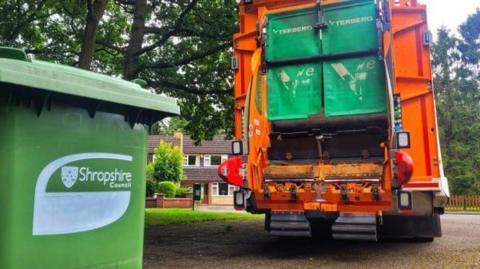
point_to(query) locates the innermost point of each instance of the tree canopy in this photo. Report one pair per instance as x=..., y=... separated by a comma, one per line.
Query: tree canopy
x=457, y=87
x=167, y=164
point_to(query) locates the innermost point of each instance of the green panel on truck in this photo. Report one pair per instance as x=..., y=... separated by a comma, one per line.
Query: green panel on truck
x=350, y=27
x=72, y=168
x=294, y=91
x=292, y=35
x=352, y=86
x=349, y=86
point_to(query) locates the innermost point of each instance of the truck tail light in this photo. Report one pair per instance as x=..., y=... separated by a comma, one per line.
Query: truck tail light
x=405, y=200
x=404, y=166
x=231, y=171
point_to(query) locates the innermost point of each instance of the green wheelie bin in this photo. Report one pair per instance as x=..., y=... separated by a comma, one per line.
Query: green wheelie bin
x=72, y=165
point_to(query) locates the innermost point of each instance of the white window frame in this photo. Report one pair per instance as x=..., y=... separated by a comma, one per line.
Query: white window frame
x=231, y=189
x=207, y=160
x=215, y=189
x=186, y=157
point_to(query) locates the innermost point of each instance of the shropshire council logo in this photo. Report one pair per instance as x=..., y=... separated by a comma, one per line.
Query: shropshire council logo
x=81, y=192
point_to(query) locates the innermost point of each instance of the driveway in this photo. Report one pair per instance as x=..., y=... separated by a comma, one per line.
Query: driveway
x=244, y=244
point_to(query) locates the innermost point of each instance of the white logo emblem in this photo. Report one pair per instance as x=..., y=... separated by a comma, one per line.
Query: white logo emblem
x=69, y=176
x=73, y=212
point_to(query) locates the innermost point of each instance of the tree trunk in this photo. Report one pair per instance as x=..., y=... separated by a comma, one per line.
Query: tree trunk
x=96, y=8
x=136, y=40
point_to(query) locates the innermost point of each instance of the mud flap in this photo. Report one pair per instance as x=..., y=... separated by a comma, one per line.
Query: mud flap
x=411, y=227
x=355, y=227
x=289, y=225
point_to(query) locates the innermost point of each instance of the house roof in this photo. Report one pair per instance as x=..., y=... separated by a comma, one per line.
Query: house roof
x=216, y=146
x=202, y=175
x=154, y=141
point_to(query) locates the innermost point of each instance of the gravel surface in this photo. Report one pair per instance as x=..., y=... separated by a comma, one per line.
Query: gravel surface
x=244, y=244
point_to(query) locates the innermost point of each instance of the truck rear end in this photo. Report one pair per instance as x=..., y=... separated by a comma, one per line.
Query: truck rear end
x=335, y=119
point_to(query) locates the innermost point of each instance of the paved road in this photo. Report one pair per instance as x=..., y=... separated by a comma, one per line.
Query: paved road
x=244, y=244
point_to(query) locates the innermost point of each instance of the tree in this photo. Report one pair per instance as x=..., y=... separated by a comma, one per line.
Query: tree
x=167, y=163
x=182, y=48
x=456, y=70
x=169, y=126
x=19, y=21
x=95, y=10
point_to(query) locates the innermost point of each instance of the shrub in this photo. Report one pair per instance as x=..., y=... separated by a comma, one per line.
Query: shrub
x=181, y=192
x=168, y=188
x=150, y=172
x=167, y=163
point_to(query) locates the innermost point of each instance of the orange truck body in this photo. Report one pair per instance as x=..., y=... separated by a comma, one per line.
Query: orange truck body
x=404, y=48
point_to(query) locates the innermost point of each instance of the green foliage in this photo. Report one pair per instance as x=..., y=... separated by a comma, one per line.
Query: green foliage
x=169, y=126
x=167, y=163
x=457, y=86
x=181, y=192
x=204, y=85
x=168, y=188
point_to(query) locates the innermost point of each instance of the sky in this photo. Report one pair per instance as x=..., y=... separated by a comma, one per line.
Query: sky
x=449, y=13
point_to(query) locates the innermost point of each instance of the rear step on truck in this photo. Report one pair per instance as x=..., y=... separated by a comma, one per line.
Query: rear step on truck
x=289, y=225
x=355, y=227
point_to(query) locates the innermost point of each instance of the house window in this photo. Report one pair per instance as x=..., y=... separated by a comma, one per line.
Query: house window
x=191, y=160
x=214, y=160
x=223, y=189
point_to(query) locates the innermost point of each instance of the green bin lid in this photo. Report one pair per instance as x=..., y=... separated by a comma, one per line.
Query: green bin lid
x=18, y=69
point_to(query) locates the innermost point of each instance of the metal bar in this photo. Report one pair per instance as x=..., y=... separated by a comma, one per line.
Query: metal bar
x=352, y=180
x=325, y=57
x=289, y=180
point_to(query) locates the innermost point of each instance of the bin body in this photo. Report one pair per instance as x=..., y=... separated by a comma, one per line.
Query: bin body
x=72, y=177
x=29, y=144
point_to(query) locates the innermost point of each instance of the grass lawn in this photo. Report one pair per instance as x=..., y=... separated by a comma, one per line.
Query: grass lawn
x=162, y=216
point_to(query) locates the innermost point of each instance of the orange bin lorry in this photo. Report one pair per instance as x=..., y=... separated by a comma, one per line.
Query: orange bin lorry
x=335, y=121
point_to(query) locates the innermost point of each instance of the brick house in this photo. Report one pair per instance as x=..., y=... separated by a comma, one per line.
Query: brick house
x=200, y=165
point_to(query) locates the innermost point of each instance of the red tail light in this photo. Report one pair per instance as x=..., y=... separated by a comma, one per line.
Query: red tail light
x=404, y=166
x=231, y=171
